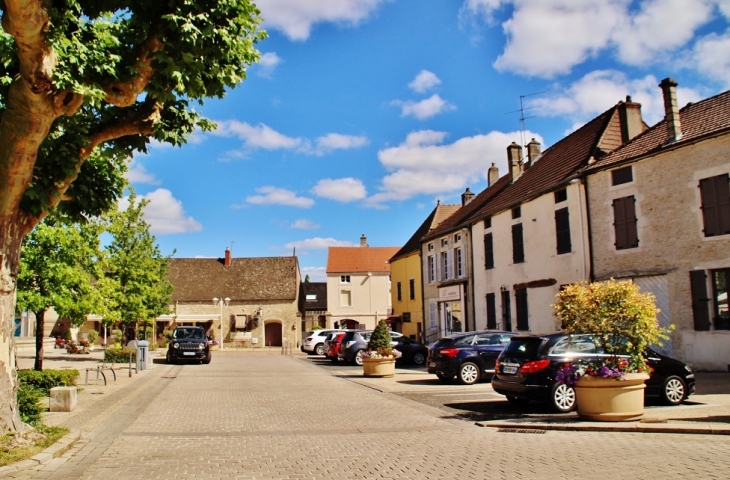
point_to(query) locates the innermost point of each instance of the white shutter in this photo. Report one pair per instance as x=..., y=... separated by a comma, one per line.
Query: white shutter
x=450, y=273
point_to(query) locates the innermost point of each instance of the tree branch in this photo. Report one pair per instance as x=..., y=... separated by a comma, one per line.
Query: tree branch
x=124, y=94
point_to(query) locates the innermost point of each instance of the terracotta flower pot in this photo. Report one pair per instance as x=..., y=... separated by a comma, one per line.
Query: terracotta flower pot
x=378, y=367
x=610, y=400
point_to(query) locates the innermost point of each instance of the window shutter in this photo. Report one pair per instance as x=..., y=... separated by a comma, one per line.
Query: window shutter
x=700, y=301
x=624, y=217
x=715, y=193
x=488, y=251
x=632, y=236
x=450, y=257
x=521, y=304
x=491, y=312
x=562, y=231
x=518, y=248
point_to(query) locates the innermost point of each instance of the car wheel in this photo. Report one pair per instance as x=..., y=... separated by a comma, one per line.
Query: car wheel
x=674, y=390
x=358, y=358
x=419, y=358
x=468, y=373
x=207, y=359
x=517, y=400
x=562, y=398
x=319, y=349
x=444, y=378
x=169, y=358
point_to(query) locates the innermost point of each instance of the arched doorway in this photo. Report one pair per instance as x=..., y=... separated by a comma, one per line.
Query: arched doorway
x=350, y=324
x=272, y=334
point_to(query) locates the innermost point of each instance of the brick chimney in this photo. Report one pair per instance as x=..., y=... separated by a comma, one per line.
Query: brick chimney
x=533, y=151
x=467, y=197
x=514, y=155
x=364, y=241
x=227, y=259
x=631, y=121
x=671, y=111
x=493, y=175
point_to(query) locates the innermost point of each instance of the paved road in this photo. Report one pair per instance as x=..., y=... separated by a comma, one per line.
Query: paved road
x=258, y=416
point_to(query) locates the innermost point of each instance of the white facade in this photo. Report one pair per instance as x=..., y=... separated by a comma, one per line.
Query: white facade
x=364, y=297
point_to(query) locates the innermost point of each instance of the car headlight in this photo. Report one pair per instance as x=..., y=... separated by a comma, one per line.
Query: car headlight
x=176, y=345
x=201, y=346
x=688, y=368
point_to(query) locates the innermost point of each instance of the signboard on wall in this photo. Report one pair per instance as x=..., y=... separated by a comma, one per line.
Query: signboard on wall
x=448, y=294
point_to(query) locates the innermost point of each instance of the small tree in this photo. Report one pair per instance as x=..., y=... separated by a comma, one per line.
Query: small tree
x=380, y=340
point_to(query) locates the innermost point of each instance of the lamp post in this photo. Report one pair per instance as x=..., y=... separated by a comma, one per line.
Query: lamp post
x=220, y=302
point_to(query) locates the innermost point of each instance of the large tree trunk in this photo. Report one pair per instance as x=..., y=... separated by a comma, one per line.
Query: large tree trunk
x=10, y=240
x=39, y=321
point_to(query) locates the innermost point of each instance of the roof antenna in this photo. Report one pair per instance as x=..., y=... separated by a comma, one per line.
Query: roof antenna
x=523, y=117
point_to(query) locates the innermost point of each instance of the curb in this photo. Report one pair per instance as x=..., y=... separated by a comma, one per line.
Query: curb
x=44, y=457
x=631, y=427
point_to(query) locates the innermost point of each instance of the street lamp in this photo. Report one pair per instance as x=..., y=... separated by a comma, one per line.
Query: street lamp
x=220, y=302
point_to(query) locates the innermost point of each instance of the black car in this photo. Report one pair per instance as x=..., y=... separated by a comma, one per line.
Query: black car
x=411, y=351
x=468, y=356
x=189, y=343
x=355, y=342
x=527, y=367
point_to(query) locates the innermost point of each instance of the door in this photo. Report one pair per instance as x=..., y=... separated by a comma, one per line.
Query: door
x=272, y=334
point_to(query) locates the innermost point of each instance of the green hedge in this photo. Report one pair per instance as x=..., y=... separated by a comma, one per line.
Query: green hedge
x=120, y=355
x=32, y=385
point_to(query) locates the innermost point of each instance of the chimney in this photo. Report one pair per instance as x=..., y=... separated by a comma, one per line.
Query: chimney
x=631, y=122
x=364, y=241
x=514, y=155
x=493, y=175
x=227, y=261
x=671, y=111
x=533, y=151
x=467, y=197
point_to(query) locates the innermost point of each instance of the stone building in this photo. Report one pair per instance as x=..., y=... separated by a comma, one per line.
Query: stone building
x=244, y=301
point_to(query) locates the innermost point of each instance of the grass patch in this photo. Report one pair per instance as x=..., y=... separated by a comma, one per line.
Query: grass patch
x=14, y=448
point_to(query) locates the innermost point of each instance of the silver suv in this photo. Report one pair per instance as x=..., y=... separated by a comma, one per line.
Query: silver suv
x=314, y=341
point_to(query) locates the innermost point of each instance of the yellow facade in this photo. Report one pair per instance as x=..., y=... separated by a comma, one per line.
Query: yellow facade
x=404, y=270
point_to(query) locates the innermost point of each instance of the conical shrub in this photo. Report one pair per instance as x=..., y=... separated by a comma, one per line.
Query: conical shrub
x=380, y=339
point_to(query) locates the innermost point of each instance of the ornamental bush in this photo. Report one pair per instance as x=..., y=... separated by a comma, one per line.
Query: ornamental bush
x=45, y=380
x=119, y=355
x=380, y=339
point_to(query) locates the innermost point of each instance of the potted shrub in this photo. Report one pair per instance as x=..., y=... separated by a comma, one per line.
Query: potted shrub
x=92, y=335
x=117, y=333
x=379, y=359
x=622, y=322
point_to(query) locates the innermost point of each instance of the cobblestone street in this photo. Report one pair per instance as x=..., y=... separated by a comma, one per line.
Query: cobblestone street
x=268, y=416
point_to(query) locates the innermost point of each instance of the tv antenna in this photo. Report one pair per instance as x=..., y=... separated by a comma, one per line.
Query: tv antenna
x=522, y=115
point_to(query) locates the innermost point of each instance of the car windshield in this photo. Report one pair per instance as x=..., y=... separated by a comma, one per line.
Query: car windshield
x=522, y=348
x=194, y=333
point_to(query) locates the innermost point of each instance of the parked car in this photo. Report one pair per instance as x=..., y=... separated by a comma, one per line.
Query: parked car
x=355, y=342
x=327, y=342
x=334, y=346
x=526, y=371
x=411, y=350
x=188, y=343
x=468, y=356
x=314, y=341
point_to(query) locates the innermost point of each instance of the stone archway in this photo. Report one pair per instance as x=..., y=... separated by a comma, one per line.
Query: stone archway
x=273, y=334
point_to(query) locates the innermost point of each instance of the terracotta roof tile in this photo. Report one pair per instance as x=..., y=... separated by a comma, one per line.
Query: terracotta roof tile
x=438, y=215
x=247, y=279
x=359, y=259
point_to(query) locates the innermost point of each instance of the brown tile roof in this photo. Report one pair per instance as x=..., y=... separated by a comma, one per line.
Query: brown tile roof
x=359, y=259
x=705, y=117
x=247, y=279
x=558, y=163
x=438, y=215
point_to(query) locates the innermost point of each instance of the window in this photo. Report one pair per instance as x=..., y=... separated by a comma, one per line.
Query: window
x=444, y=265
x=345, y=298
x=561, y=195
x=398, y=291
x=444, y=242
x=621, y=176
x=344, y=279
x=457, y=238
x=430, y=247
x=311, y=297
x=562, y=231
x=412, y=289
x=624, y=223
x=488, y=251
x=715, y=194
x=518, y=248
x=431, y=269
x=517, y=212
x=521, y=303
x=719, y=297
x=458, y=262
x=491, y=312
x=488, y=223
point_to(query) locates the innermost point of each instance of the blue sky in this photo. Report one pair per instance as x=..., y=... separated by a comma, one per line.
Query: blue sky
x=363, y=113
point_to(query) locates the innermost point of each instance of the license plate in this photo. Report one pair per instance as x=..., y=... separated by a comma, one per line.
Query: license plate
x=432, y=365
x=188, y=353
x=509, y=370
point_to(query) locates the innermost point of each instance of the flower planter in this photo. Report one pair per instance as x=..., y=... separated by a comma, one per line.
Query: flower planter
x=610, y=400
x=378, y=367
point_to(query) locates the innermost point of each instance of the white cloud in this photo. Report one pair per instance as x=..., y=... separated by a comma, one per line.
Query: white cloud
x=318, y=243
x=138, y=174
x=278, y=196
x=425, y=108
x=340, y=189
x=268, y=63
x=316, y=274
x=305, y=224
x=424, y=81
x=295, y=18
x=421, y=165
x=597, y=91
x=549, y=37
x=165, y=213
x=711, y=56
x=337, y=141
x=259, y=136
